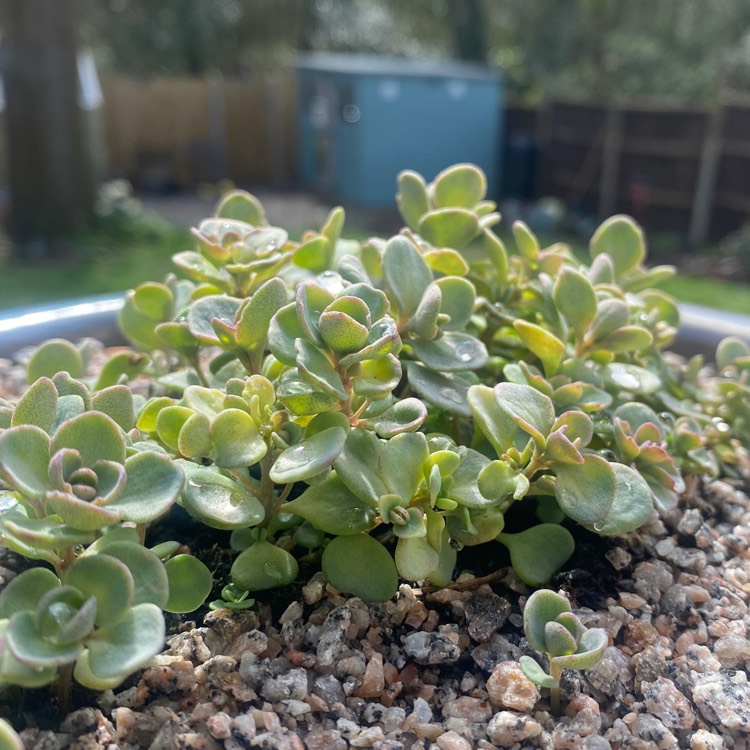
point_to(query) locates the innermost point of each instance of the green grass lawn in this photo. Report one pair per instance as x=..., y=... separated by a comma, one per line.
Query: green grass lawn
x=119, y=254
x=112, y=257
x=723, y=295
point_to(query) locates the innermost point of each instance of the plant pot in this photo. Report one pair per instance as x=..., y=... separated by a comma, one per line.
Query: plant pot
x=314, y=669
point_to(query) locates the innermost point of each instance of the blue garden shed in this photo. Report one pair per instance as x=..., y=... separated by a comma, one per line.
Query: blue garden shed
x=365, y=118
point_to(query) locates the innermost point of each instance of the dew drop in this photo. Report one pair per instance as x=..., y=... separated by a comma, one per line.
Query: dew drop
x=465, y=352
x=448, y=394
x=666, y=417
x=598, y=526
x=608, y=454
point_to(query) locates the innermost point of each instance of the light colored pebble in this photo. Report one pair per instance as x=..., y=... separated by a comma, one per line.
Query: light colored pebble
x=509, y=687
x=705, y=740
x=507, y=728
x=452, y=741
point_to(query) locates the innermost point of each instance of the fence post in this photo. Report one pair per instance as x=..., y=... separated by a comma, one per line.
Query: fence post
x=274, y=96
x=700, y=217
x=217, y=128
x=611, y=148
x=544, y=126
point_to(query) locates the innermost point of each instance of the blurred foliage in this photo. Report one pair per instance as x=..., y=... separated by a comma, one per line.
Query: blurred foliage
x=601, y=48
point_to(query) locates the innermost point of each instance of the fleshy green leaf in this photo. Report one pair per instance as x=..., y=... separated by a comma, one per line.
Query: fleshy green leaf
x=528, y=245
x=123, y=364
x=446, y=391
x=24, y=459
x=575, y=299
x=542, y=343
x=457, y=302
x=240, y=205
x=405, y=415
x=461, y=185
x=217, y=500
x=611, y=314
x=314, y=254
x=30, y=647
x=542, y=606
x=194, y=439
x=310, y=457
x=401, y=462
x=531, y=410
x=264, y=566
x=150, y=582
x=632, y=505
x=358, y=465
x=535, y=673
x=236, y=440
x=9, y=739
x=37, y=406
x=332, y=508
x=539, y=552
x=94, y=435
x=494, y=422
x=626, y=339
x=128, y=644
x=451, y=352
x=252, y=327
x=591, y=648
x=416, y=559
x=412, y=198
x=729, y=350
x=622, y=239
x=498, y=479
x=317, y=370
x=362, y=566
x=154, y=483
x=406, y=274
x=449, y=227
x=53, y=356
x=559, y=640
x=116, y=401
x=24, y=591
x=586, y=492
x=190, y=582
x=632, y=378
x=203, y=311
x=107, y=579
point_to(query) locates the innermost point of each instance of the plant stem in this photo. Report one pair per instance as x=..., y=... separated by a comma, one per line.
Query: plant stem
x=196, y=365
x=64, y=680
x=265, y=493
x=554, y=693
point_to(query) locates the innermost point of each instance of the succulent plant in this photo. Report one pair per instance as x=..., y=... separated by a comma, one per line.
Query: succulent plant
x=80, y=491
x=9, y=738
x=551, y=628
x=373, y=407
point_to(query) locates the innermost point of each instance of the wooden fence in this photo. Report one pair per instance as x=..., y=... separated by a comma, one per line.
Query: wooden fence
x=680, y=169
x=179, y=133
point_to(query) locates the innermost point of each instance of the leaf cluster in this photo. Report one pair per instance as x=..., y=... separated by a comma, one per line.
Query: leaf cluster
x=372, y=406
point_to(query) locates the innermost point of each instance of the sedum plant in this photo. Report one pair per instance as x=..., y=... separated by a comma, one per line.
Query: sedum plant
x=551, y=628
x=372, y=407
x=80, y=490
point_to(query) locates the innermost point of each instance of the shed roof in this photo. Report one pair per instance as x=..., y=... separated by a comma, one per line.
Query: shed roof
x=355, y=64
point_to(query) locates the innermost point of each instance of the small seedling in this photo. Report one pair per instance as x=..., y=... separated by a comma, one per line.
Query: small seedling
x=551, y=628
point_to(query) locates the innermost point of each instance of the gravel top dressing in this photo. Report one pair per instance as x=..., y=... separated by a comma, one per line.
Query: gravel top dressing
x=439, y=668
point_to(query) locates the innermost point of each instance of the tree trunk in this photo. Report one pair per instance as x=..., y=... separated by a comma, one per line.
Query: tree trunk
x=469, y=22
x=49, y=170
